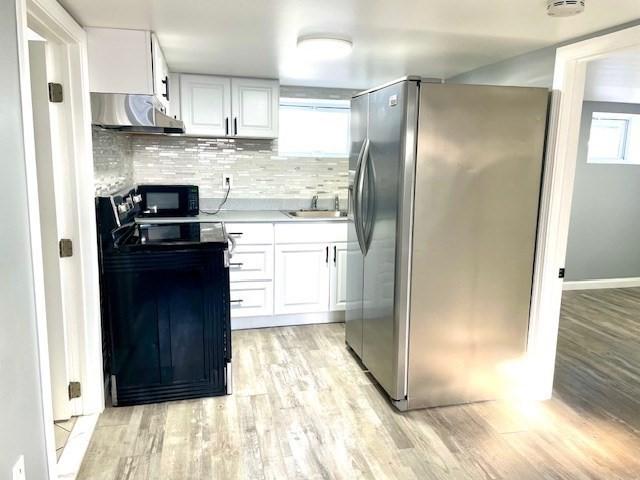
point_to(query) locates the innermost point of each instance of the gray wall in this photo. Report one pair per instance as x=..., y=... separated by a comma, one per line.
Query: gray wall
x=21, y=422
x=533, y=69
x=604, y=233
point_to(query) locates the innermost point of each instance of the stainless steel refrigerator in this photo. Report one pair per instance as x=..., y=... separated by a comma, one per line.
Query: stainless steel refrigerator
x=444, y=195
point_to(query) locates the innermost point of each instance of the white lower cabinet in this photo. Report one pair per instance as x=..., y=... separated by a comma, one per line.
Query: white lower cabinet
x=338, y=280
x=251, y=299
x=301, y=278
x=283, y=270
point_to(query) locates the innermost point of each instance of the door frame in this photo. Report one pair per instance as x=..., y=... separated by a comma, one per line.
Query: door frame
x=49, y=19
x=557, y=192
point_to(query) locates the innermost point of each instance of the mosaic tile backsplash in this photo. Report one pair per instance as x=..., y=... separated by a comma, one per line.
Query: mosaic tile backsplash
x=112, y=161
x=257, y=169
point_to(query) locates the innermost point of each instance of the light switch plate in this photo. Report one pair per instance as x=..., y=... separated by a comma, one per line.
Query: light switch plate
x=18, y=469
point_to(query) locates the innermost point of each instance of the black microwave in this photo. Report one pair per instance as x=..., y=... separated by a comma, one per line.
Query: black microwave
x=169, y=200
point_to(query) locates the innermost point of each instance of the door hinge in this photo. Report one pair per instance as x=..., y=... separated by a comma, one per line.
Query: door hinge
x=561, y=273
x=74, y=390
x=66, y=247
x=55, y=92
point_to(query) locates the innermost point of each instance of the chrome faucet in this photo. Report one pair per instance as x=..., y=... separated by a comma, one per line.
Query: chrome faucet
x=314, y=202
x=336, y=203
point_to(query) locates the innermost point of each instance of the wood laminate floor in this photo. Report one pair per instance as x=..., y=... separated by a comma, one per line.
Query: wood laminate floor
x=302, y=408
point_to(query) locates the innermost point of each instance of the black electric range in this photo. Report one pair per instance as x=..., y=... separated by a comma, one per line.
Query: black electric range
x=198, y=235
x=165, y=306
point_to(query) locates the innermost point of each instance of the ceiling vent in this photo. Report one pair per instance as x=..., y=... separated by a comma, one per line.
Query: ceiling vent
x=564, y=8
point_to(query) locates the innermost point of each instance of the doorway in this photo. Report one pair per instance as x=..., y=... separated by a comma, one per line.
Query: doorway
x=597, y=357
x=57, y=143
x=53, y=188
x=570, y=78
x=55, y=193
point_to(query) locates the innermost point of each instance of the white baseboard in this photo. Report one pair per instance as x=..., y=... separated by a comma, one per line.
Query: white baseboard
x=602, y=283
x=267, y=321
x=68, y=466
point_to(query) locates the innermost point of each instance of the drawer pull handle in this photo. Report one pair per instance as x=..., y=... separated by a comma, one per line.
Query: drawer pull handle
x=236, y=264
x=235, y=234
x=236, y=301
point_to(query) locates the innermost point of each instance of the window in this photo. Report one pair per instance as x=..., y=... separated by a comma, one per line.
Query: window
x=314, y=127
x=614, y=138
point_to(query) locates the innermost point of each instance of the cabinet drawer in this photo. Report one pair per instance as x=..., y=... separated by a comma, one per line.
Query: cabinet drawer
x=249, y=299
x=251, y=233
x=251, y=262
x=311, y=232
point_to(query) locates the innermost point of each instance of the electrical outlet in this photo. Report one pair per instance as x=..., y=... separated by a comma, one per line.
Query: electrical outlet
x=227, y=180
x=18, y=469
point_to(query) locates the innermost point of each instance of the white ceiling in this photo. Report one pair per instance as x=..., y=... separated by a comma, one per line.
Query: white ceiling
x=437, y=38
x=615, y=78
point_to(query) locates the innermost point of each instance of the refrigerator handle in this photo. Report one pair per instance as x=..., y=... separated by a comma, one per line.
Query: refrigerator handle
x=371, y=199
x=360, y=223
x=357, y=196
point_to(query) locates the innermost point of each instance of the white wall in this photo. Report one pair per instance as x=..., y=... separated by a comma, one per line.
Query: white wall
x=21, y=419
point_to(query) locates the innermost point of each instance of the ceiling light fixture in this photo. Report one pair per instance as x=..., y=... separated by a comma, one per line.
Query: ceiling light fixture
x=324, y=47
x=564, y=8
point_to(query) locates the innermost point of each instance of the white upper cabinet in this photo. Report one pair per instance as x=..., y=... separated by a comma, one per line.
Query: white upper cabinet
x=255, y=107
x=120, y=61
x=229, y=107
x=126, y=61
x=160, y=72
x=174, y=95
x=205, y=104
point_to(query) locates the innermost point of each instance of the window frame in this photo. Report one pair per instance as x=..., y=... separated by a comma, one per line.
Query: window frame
x=315, y=105
x=623, y=157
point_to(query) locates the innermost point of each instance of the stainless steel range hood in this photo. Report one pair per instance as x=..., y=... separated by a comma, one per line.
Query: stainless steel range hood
x=132, y=113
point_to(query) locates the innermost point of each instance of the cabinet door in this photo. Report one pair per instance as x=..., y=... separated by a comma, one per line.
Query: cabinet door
x=160, y=73
x=205, y=104
x=302, y=278
x=250, y=299
x=255, y=107
x=338, y=277
x=119, y=61
x=174, y=96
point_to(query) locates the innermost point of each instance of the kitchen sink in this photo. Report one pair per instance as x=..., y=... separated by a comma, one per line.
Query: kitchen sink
x=316, y=214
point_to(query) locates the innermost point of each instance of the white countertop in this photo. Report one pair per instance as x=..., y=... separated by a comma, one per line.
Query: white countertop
x=242, y=216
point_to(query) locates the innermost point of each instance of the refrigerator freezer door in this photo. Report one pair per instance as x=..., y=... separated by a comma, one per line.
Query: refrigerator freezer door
x=477, y=187
x=355, y=266
x=383, y=180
